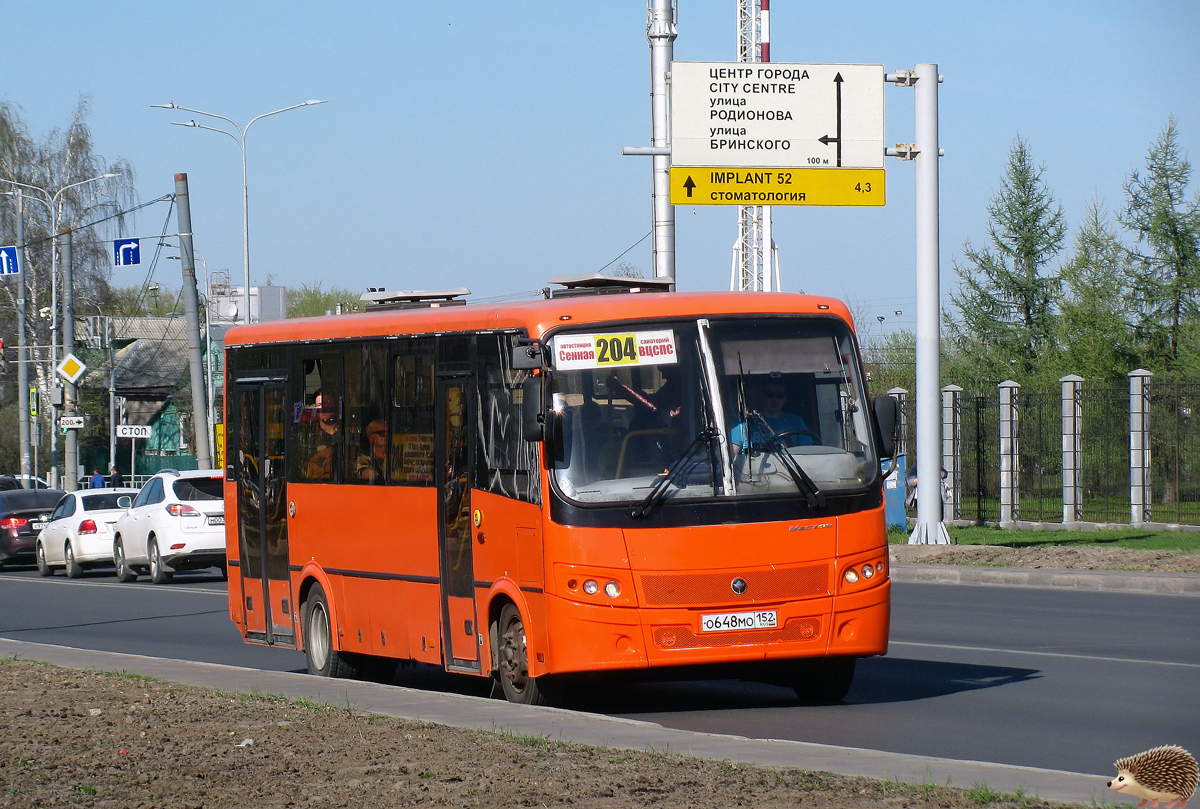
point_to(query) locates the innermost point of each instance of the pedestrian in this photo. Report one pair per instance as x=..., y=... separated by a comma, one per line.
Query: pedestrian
x=97, y=481
x=114, y=479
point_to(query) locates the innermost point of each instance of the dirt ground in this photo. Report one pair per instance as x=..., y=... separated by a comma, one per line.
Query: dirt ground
x=1082, y=557
x=83, y=738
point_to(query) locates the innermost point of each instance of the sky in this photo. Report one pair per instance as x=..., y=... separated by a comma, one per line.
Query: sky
x=478, y=144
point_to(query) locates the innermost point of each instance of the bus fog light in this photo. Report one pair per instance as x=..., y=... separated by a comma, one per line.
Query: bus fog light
x=572, y=584
x=590, y=587
x=851, y=576
x=612, y=589
x=868, y=571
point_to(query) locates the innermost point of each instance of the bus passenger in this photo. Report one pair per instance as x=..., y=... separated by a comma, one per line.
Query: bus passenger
x=771, y=396
x=326, y=440
x=370, y=466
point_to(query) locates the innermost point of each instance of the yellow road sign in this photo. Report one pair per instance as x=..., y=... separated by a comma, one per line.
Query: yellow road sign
x=776, y=186
x=71, y=368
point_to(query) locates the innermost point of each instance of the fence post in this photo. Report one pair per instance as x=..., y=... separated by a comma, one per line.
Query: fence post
x=901, y=396
x=1072, y=449
x=1010, y=506
x=1139, y=446
x=952, y=446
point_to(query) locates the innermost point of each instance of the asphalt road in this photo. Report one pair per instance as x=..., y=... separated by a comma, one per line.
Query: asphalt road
x=1046, y=678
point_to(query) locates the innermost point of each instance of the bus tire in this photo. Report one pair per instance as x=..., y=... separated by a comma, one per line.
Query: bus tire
x=323, y=659
x=824, y=680
x=513, y=663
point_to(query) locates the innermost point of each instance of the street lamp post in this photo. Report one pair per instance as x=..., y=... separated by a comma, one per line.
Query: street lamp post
x=240, y=138
x=51, y=202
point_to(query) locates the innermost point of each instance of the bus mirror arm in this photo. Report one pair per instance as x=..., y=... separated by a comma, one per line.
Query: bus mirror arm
x=886, y=412
x=533, y=418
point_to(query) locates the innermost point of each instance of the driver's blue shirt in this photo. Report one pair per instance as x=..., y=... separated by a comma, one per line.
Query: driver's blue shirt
x=782, y=423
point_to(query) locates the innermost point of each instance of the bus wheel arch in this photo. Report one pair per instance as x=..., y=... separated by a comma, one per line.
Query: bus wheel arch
x=323, y=657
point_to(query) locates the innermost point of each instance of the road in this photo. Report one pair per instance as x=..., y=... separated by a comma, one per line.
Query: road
x=1055, y=679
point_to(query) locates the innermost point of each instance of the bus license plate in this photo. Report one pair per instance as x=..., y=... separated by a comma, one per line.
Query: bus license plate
x=732, y=621
x=218, y=520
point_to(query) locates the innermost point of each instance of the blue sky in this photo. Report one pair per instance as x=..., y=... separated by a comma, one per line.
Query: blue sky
x=478, y=144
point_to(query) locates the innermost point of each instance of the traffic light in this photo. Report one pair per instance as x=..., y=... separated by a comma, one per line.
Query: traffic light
x=3, y=359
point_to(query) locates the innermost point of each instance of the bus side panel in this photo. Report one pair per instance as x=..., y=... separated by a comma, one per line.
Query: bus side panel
x=233, y=555
x=380, y=544
x=508, y=548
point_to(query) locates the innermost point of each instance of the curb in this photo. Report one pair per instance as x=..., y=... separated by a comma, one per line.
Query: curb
x=1110, y=581
x=582, y=728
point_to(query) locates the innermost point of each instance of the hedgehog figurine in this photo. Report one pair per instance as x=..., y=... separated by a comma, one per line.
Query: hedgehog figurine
x=1167, y=774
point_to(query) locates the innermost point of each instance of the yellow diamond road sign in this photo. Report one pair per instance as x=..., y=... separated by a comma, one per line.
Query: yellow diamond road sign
x=708, y=185
x=71, y=369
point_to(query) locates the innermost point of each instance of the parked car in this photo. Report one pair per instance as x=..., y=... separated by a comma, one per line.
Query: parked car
x=10, y=482
x=80, y=532
x=23, y=514
x=176, y=522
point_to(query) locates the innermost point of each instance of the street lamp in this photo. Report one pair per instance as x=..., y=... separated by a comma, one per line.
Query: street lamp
x=241, y=141
x=23, y=432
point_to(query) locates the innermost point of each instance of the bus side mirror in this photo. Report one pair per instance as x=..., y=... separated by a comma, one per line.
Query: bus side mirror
x=533, y=420
x=887, y=416
x=526, y=354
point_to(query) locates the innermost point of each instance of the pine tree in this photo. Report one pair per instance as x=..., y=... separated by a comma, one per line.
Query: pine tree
x=1166, y=226
x=1006, y=318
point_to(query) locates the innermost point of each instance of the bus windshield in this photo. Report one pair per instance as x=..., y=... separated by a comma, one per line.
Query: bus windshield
x=733, y=407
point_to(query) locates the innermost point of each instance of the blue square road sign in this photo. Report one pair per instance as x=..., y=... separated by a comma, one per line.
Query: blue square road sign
x=8, y=261
x=127, y=252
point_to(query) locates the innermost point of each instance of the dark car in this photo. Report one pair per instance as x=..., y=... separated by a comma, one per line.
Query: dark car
x=8, y=482
x=23, y=514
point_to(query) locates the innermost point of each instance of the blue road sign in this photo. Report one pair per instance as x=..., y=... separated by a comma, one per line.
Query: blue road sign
x=127, y=252
x=8, y=261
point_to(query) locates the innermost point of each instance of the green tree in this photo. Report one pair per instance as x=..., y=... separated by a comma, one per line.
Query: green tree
x=1094, y=330
x=1005, y=299
x=1166, y=226
x=311, y=300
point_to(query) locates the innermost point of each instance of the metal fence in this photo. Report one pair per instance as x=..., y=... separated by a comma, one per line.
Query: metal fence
x=1104, y=473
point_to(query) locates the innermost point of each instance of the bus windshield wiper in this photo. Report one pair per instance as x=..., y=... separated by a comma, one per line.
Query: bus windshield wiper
x=659, y=490
x=807, y=486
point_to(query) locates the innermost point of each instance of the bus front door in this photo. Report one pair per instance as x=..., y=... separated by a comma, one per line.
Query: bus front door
x=267, y=605
x=460, y=626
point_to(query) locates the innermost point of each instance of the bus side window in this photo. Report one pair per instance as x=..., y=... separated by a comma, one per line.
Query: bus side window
x=410, y=447
x=505, y=463
x=365, y=446
x=317, y=419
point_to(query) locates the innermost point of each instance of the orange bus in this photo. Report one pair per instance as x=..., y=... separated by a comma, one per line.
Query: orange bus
x=612, y=479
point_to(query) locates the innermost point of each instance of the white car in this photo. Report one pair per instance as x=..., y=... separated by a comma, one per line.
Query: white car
x=79, y=534
x=176, y=522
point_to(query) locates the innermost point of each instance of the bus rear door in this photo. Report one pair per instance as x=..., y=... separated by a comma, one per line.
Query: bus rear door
x=267, y=604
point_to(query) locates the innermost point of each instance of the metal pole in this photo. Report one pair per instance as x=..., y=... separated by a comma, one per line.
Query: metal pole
x=22, y=350
x=929, y=528
x=245, y=227
x=191, y=308
x=112, y=395
x=769, y=271
x=69, y=401
x=660, y=30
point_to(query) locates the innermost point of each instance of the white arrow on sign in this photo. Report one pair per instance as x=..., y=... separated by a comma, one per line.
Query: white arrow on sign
x=133, y=431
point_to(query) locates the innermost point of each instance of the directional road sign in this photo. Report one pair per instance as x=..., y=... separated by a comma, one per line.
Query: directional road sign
x=694, y=185
x=776, y=114
x=71, y=368
x=133, y=431
x=127, y=252
x=9, y=264
x=71, y=422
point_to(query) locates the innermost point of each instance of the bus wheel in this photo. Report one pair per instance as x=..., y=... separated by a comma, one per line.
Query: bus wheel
x=323, y=659
x=513, y=660
x=824, y=680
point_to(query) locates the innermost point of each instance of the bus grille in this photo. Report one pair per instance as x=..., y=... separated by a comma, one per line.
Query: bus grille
x=698, y=589
x=684, y=637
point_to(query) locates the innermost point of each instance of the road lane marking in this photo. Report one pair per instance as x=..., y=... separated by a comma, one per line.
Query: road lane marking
x=1043, y=654
x=110, y=584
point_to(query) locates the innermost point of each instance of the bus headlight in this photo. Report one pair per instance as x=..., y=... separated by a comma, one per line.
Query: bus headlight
x=868, y=571
x=590, y=587
x=612, y=589
x=851, y=575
